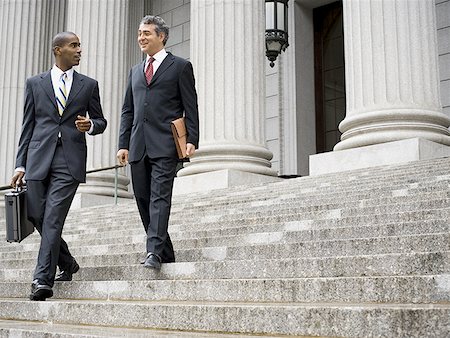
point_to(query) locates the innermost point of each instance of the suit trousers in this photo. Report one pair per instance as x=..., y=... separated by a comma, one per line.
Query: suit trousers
x=152, y=185
x=48, y=205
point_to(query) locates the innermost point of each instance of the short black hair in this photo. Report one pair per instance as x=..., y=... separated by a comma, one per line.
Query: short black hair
x=60, y=39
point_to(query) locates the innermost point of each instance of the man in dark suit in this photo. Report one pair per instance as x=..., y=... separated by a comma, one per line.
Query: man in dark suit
x=52, y=152
x=160, y=90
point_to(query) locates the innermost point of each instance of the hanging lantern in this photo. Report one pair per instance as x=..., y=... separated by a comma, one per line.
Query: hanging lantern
x=276, y=28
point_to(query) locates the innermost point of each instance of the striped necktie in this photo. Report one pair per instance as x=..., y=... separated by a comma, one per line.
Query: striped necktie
x=149, y=70
x=61, y=97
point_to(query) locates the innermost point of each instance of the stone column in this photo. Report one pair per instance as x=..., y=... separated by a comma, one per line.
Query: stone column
x=394, y=112
x=392, y=80
x=107, y=31
x=227, y=53
x=26, y=31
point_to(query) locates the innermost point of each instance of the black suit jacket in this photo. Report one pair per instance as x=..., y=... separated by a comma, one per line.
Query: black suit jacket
x=42, y=124
x=148, y=110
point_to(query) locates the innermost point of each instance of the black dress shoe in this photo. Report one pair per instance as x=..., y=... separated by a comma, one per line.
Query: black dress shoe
x=66, y=275
x=40, y=291
x=172, y=260
x=153, y=261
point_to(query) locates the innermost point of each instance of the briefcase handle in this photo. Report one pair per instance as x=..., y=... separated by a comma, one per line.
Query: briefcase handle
x=19, y=188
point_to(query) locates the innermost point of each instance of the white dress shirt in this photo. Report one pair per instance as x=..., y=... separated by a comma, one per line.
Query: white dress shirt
x=56, y=74
x=159, y=58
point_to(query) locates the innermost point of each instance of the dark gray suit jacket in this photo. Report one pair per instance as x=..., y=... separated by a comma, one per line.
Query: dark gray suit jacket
x=148, y=110
x=42, y=124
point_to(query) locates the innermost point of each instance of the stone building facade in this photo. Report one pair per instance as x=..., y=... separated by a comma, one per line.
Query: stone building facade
x=363, y=82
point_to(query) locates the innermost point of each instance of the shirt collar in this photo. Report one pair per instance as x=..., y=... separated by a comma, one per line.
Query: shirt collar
x=58, y=72
x=159, y=57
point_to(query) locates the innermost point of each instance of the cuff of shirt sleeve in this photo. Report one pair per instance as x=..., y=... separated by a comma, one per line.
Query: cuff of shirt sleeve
x=91, y=129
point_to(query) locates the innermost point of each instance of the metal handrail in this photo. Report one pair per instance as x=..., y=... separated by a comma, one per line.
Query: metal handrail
x=116, y=175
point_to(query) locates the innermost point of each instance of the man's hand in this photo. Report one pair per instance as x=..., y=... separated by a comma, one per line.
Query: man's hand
x=17, y=179
x=190, y=150
x=122, y=156
x=83, y=123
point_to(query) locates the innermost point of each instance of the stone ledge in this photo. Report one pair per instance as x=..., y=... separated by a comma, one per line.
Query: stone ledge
x=415, y=149
x=220, y=179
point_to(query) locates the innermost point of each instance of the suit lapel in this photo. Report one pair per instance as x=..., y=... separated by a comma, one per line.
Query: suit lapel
x=77, y=84
x=46, y=83
x=167, y=62
x=142, y=73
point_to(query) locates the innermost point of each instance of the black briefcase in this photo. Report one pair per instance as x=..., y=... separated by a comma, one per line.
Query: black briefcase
x=18, y=227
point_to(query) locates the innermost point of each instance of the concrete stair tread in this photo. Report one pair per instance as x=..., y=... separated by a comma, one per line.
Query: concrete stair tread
x=382, y=289
x=329, y=319
x=255, y=246
x=444, y=306
x=342, y=200
x=306, y=229
x=332, y=216
x=344, y=266
x=14, y=328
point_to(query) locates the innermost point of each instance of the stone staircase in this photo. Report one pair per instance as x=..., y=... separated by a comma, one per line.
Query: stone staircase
x=358, y=254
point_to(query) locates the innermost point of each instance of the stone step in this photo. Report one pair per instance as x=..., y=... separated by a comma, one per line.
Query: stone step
x=289, y=233
x=313, y=230
x=287, y=191
x=427, y=263
x=15, y=328
x=326, y=319
x=316, y=185
x=369, y=196
x=253, y=247
x=364, y=206
x=356, y=254
x=386, y=289
x=310, y=229
x=261, y=201
x=317, y=213
x=331, y=218
x=265, y=208
x=391, y=176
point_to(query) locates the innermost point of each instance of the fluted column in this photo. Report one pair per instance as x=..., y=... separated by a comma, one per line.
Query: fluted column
x=392, y=81
x=108, y=52
x=227, y=53
x=26, y=31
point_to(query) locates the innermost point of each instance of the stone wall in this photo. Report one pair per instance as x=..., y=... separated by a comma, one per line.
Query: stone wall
x=176, y=13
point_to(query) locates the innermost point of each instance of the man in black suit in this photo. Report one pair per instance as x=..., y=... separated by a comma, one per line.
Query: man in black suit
x=52, y=152
x=160, y=90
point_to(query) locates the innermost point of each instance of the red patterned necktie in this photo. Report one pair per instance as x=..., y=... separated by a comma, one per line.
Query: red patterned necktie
x=149, y=70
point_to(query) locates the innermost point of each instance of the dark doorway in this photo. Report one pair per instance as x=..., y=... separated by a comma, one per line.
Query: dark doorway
x=329, y=74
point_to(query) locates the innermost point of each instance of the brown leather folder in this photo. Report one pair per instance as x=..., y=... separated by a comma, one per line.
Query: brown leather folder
x=180, y=136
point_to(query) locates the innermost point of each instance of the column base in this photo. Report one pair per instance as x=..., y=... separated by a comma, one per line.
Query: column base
x=250, y=158
x=220, y=179
x=388, y=153
x=82, y=200
x=99, y=190
x=102, y=183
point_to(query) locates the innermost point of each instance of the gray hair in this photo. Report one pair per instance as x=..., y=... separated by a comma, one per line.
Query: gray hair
x=160, y=25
